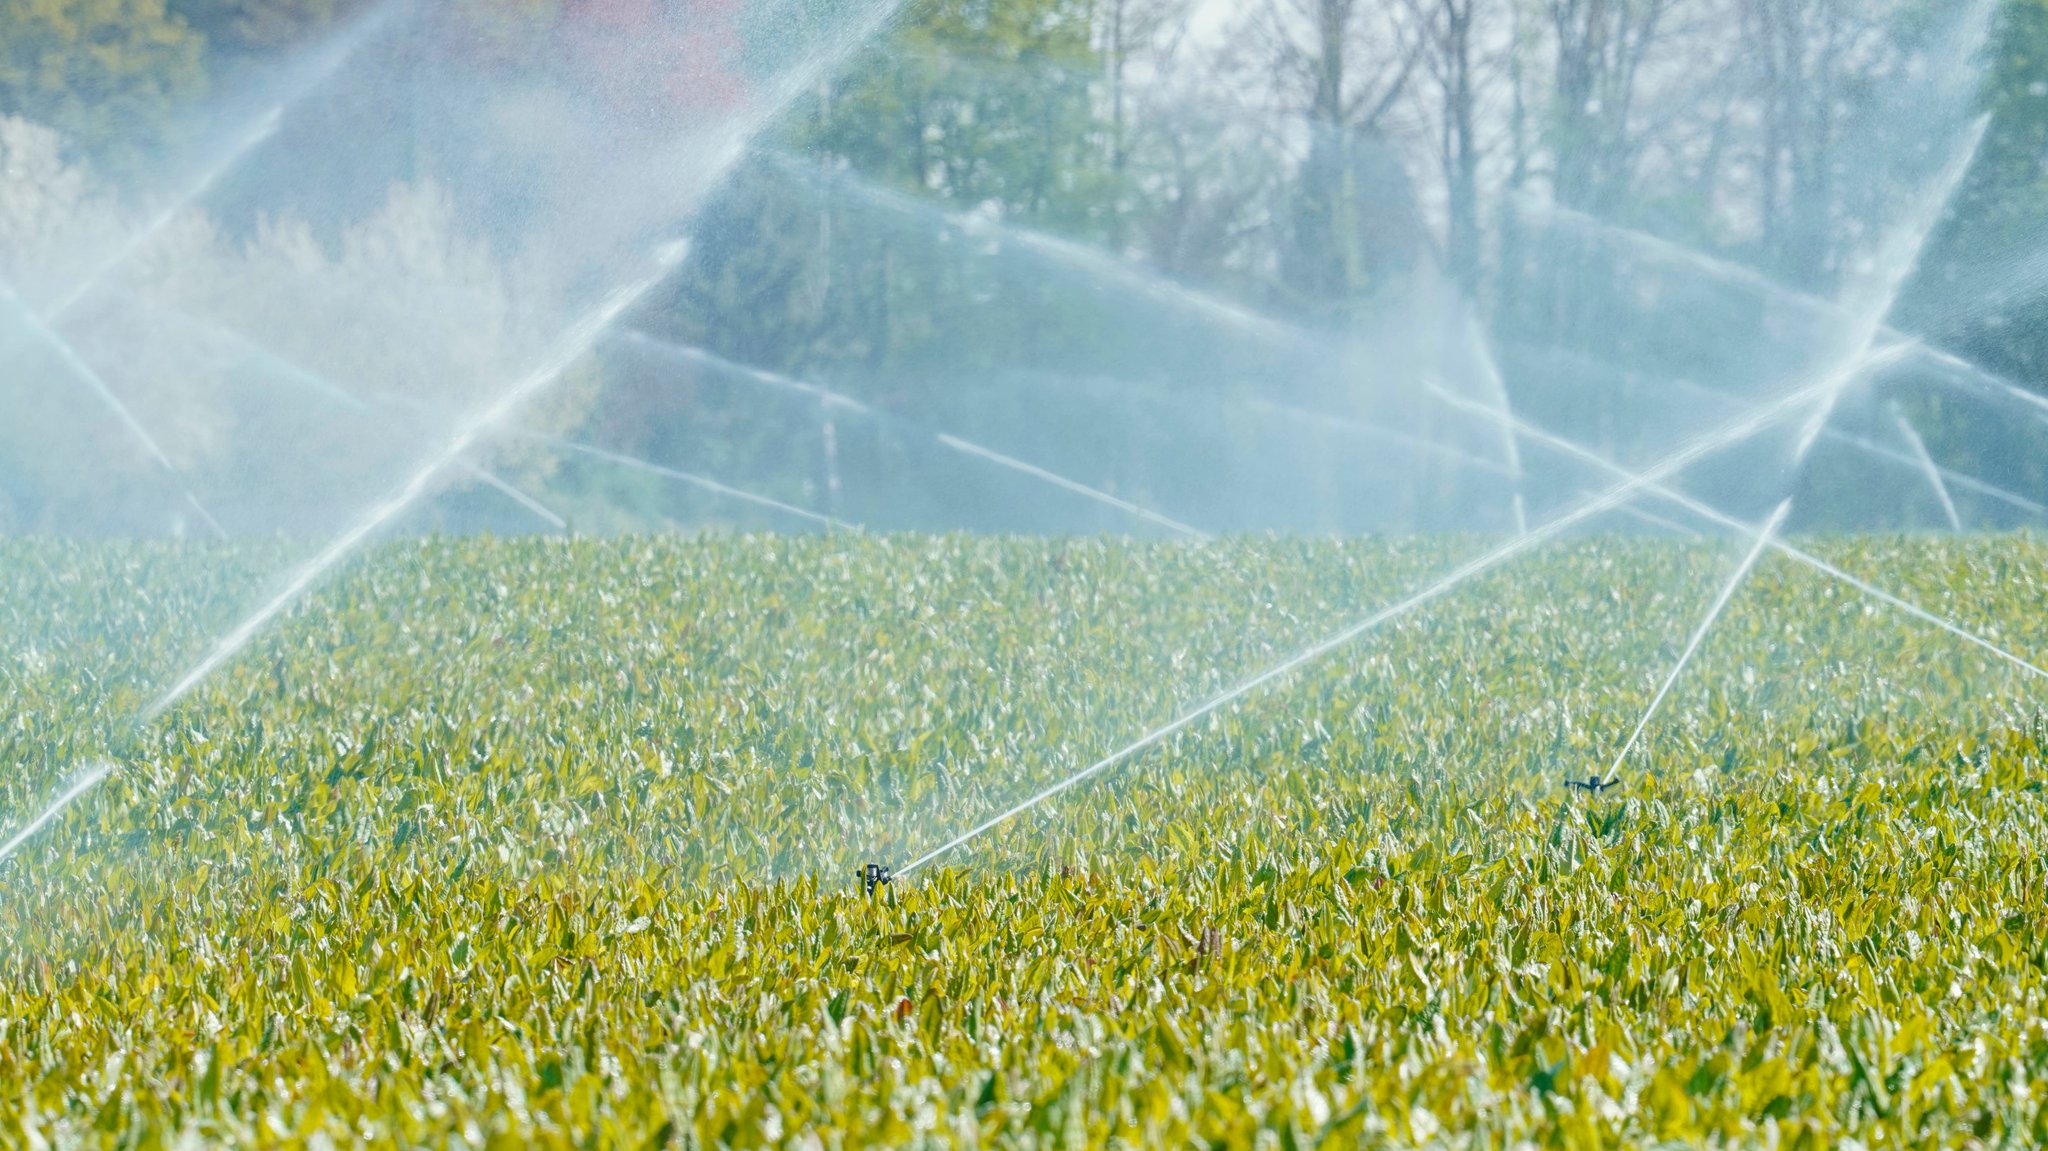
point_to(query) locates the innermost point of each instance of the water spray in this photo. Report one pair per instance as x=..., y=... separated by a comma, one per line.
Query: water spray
x=80, y=784
x=1933, y=470
x=572, y=345
x=280, y=368
x=1899, y=256
x=1955, y=372
x=1765, y=537
x=1092, y=262
x=1949, y=477
x=692, y=478
x=1365, y=430
x=1666, y=492
x=832, y=398
x=260, y=130
x=1867, y=308
x=1729, y=401
x=503, y=487
x=1142, y=283
x=84, y=373
x=1269, y=409
x=1097, y=494
x=1497, y=384
x=251, y=137
x=44, y=324
x=1762, y=418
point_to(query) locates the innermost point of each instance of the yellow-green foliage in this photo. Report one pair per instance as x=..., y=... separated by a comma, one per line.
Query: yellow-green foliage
x=539, y=843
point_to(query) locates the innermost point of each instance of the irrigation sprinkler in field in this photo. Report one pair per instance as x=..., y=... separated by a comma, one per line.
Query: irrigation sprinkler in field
x=1765, y=537
x=1762, y=418
x=874, y=875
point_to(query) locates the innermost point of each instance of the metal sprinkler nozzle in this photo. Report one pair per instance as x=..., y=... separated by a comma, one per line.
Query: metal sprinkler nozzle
x=874, y=875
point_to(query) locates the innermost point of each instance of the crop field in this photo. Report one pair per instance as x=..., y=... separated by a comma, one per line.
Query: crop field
x=553, y=843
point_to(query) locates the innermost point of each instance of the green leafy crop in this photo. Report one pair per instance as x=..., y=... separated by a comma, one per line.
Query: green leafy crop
x=539, y=843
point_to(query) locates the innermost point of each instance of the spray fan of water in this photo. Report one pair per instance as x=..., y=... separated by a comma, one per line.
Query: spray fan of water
x=1435, y=415
x=708, y=155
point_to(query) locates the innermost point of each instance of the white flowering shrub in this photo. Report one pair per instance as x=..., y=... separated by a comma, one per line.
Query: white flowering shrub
x=287, y=379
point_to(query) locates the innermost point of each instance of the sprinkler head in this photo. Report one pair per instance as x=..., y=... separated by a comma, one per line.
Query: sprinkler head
x=1592, y=784
x=874, y=875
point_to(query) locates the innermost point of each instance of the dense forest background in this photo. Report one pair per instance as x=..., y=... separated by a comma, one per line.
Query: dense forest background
x=1073, y=228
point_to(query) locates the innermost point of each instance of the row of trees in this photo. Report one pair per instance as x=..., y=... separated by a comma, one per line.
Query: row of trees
x=1332, y=162
x=1304, y=150
x=1362, y=169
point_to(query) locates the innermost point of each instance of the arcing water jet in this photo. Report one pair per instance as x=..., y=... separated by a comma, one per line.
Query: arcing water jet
x=1761, y=418
x=572, y=344
x=83, y=372
x=1092, y=262
x=1014, y=464
x=1766, y=536
x=946, y=440
x=1958, y=373
x=705, y=482
x=278, y=368
x=1949, y=477
x=1926, y=461
x=1699, y=508
x=487, y=421
x=46, y=322
x=80, y=784
x=1870, y=304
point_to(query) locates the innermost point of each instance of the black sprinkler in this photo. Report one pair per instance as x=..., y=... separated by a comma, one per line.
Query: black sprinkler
x=874, y=875
x=1592, y=784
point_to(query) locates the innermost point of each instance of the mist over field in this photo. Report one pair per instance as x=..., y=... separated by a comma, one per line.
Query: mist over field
x=1023, y=572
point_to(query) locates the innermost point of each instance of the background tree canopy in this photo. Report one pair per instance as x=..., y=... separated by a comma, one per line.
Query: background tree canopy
x=105, y=72
x=939, y=228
